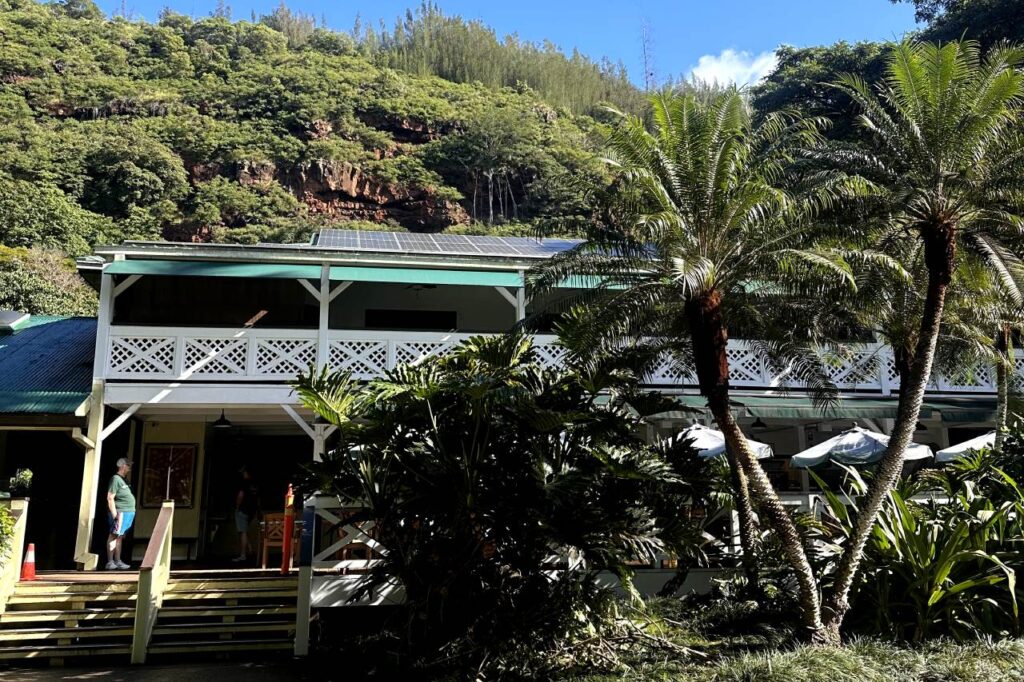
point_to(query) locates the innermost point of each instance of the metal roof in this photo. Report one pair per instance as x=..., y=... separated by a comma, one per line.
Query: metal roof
x=46, y=365
x=450, y=244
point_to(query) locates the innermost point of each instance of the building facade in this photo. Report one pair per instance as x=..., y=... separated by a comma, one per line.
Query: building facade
x=192, y=337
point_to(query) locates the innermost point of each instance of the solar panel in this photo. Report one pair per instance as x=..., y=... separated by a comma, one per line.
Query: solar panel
x=456, y=244
x=417, y=243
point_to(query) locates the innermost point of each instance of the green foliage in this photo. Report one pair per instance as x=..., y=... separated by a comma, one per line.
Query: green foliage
x=21, y=482
x=482, y=472
x=803, y=79
x=942, y=558
x=6, y=535
x=42, y=283
x=429, y=42
x=36, y=214
x=189, y=129
x=987, y=21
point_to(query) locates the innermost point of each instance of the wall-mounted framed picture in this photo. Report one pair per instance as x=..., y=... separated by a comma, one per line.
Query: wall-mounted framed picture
x=169, y=473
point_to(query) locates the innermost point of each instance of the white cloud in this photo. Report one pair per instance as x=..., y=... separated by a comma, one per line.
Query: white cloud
x=741, y=68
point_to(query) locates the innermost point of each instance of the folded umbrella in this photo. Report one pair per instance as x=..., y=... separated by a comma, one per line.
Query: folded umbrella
x=985, y=442
x=854, y=447
x=711, y=443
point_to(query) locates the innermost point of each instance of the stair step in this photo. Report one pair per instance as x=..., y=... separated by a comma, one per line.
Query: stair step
x=53, y=587
x=65, y=651
x=47, y=615
x=65, y=597
x=157, y=648
x=64, y=633
x=229, y=584
x=190, y=629
x=223, y=611
x=246, y=593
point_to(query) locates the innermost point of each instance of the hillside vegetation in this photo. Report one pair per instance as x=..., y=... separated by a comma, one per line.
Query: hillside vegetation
x=262, y=130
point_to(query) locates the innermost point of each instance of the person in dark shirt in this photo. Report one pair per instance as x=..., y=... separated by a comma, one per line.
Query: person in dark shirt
x=247, y=508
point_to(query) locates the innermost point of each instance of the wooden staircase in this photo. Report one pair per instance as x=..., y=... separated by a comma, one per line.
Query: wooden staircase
x=204, y=615
x=214, y=614
x=53, y=620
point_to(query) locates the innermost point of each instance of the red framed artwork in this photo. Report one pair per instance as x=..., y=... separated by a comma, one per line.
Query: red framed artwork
x=169, y=473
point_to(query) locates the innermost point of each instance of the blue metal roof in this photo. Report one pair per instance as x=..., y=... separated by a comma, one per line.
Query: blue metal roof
x=46, y=365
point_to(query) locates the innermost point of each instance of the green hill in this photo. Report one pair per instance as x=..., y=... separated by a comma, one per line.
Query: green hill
x=264, y=130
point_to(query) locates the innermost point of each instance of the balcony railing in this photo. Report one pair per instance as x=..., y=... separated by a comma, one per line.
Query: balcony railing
x=278, y=355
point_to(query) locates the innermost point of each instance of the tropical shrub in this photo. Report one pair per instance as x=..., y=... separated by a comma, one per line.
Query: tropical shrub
x=487, y=476
x=942, y=559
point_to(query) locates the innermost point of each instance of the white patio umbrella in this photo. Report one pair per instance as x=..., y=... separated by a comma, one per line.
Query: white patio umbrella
x=856, y=446
x=985, y=442
x=711, y=443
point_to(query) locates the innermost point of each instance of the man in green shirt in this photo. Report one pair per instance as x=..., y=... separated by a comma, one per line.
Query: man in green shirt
x=120, y=513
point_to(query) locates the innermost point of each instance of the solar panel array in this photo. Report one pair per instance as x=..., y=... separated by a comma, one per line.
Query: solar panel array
x=451, y=244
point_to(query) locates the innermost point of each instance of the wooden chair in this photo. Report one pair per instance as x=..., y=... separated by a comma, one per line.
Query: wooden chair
x=272, y=536
x=354, y=551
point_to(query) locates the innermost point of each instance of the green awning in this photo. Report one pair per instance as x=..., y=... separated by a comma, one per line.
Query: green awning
x=966, y=409
x=184, y=268
x=802, y=407
x=477, y=278
x=691, y=406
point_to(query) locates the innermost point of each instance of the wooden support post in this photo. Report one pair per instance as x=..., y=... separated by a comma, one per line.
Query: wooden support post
x=84, y=558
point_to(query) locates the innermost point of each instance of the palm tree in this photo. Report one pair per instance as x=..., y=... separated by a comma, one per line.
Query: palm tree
x=941, y=144
x=708, y=226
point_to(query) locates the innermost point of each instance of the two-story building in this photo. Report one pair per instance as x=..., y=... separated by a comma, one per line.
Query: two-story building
x=196, y=346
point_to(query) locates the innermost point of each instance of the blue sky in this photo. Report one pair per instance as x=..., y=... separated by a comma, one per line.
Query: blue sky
x=735, y=38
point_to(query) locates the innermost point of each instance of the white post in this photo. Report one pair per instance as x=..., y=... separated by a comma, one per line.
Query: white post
x=801, y=445
x=106, y=313
x=319, y=442
x=520, y=304
x=85, y=559
x=323, y=343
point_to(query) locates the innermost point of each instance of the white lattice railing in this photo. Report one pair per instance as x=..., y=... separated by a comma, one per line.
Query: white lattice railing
x=201, y=354
x=209, y=354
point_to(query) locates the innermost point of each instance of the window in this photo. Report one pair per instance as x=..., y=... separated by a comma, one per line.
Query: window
x=412, y=320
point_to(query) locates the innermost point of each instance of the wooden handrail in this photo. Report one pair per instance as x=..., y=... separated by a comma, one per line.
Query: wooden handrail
x=11, y=572
x=153, y=576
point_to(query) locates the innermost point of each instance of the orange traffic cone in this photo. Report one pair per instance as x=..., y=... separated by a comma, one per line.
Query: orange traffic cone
x=28, y=568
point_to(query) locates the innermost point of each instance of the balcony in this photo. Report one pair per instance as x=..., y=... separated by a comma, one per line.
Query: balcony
x=200, y=354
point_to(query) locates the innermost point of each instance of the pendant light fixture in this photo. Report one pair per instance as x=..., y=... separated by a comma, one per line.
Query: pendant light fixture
x=222, y=422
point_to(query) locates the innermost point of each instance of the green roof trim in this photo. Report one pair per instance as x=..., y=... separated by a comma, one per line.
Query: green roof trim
x=802, y=407
x=186, y=268
x=966, y=409
x=477, y=278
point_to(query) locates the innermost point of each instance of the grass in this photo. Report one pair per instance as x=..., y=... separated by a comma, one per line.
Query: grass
x=863, y=660
x=736, y=642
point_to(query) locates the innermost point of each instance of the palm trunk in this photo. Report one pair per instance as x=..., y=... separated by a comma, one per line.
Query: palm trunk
x=747, y=525
x=1002, y=387
x=778, y=518
x=710, y=339
x=939, y=247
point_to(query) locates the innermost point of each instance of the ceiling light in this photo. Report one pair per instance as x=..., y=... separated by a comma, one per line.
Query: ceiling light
x=222, y=422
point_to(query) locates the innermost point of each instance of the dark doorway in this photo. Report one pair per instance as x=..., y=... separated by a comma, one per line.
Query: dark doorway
x=56, y=462
x=275, y=460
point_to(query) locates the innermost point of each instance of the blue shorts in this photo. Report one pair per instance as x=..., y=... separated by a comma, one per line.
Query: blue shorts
x=241, y=522
x=127, y=519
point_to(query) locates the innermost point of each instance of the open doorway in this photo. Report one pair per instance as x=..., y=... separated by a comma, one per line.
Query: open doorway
x=274, y=459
